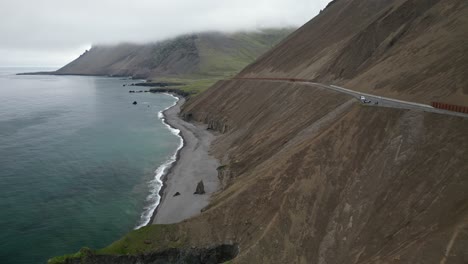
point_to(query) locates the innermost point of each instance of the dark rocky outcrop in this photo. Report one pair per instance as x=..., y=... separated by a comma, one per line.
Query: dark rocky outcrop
x=213, y=123
x=213, y=255
x=217, y=125
x=226, y=174
x=200, y=188
x=171, y=90
x=157, y=84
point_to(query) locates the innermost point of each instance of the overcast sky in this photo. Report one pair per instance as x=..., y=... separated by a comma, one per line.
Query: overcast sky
x=54, y=32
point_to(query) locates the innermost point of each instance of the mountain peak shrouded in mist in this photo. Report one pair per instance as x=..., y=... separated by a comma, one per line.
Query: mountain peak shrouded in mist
x=53, y=31
x=203, y=54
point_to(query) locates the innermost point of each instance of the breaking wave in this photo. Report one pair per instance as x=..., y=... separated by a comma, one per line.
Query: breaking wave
x=156, y=184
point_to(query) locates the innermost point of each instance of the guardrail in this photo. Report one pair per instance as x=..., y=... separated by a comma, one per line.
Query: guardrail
x=450, y=107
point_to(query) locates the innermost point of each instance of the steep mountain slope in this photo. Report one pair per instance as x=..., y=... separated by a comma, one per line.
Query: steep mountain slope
x=412, y=50
x=311, y=176
x=204, y=54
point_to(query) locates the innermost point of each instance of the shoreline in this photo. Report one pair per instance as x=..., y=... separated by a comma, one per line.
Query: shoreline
x=193, y=164
x=163, y=170
x=54, y=73
x=180, y=102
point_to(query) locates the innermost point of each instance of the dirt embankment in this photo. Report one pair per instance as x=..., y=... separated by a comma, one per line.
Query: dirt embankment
x=406, y=49
x=312, y=177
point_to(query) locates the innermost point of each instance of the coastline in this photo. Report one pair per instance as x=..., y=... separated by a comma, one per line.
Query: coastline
x=164, y=169
x=54, y=73
x=192, y=164
x=179, y=103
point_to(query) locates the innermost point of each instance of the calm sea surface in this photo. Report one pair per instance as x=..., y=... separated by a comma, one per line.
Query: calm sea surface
x=76, y=162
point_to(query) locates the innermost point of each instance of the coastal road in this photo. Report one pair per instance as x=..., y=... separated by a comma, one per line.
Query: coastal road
x=373, y=100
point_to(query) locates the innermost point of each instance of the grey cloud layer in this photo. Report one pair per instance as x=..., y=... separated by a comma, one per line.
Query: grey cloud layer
x=54, y=30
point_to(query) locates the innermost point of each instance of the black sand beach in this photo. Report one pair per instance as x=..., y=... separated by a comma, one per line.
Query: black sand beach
x=194, y=163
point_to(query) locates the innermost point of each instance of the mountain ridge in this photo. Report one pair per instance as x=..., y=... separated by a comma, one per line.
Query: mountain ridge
x=203, y=54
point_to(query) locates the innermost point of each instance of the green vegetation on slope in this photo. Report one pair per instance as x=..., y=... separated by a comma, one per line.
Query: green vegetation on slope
x=198, y=60
x=144, y=240
x=147, y=239
x=192, y=84
x=220, y=55
x=227, y=54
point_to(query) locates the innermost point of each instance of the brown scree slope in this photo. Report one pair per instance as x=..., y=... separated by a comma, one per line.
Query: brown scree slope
x=414, y=50
x=312, y=176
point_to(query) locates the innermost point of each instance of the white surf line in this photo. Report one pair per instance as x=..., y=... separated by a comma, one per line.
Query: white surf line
x=156, y=184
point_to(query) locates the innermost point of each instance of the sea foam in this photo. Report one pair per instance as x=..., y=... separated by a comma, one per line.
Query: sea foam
x=156, y=184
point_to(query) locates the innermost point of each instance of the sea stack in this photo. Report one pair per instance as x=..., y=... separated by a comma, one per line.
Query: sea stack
x=200, y=188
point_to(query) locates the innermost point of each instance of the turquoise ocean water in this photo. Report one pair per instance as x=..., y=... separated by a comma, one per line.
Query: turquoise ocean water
x=77, y=162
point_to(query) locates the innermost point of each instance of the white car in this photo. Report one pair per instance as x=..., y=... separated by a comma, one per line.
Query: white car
x=364, y=100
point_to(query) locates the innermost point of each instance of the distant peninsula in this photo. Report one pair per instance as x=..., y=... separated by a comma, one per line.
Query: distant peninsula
x=197, y=60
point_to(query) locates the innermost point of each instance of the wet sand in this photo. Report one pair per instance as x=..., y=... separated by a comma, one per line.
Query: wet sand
x=194, y=164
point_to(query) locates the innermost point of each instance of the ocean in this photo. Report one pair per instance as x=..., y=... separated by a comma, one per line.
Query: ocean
x=78, y=162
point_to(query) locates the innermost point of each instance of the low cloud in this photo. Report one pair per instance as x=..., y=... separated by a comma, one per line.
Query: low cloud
x=51, y=32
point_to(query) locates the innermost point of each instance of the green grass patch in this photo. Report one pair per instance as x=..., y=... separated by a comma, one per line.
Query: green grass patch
x=230, y=54
x=192, y=84
x=198, y=86
x=82, y=254
x=144, y=240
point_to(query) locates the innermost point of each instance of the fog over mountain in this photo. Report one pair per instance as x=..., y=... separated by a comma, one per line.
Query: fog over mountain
x=53, y=32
